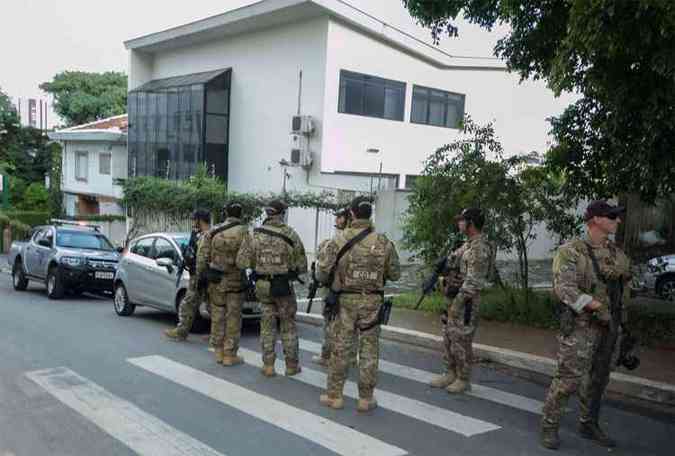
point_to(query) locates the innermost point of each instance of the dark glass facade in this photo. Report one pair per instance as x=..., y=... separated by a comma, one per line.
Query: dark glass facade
x=177, y=123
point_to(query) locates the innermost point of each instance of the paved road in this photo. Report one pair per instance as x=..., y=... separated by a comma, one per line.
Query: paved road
x=75, y=379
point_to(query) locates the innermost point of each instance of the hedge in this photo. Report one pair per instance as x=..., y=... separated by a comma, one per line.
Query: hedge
x=30, y=218
x=652, y=323
x=19, y=230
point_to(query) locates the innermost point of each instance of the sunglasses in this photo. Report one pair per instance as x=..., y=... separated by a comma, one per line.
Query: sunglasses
x=612, y=216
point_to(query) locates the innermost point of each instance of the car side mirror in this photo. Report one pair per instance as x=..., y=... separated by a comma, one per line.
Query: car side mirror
x=119, y=249
x=45, y=243
x=165, y=263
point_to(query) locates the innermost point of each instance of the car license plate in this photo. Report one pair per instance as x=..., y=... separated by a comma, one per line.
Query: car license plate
x=104, y=275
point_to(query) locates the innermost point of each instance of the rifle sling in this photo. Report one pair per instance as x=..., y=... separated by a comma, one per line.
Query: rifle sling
x=276, y=234
x=220, y=229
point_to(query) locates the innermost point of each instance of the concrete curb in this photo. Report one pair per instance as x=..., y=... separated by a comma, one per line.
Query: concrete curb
x=628, y=385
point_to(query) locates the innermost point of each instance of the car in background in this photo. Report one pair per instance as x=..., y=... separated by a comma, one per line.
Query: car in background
x=69, y=257
x=147, y=275
x=660, y=277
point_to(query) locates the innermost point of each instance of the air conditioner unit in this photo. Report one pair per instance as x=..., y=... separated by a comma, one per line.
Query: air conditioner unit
x=303, y=125
x=300, y=154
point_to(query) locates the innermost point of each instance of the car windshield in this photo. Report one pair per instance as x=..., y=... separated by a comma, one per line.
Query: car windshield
x=182, y=240
x=75, y=240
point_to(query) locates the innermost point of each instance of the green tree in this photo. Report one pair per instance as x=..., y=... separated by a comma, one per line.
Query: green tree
x=618, y=54
x=471, y=171
x=35, y=198
x=81, y=97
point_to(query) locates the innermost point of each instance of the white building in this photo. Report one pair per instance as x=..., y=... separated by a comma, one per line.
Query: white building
x=94, y=158
x=380, y=102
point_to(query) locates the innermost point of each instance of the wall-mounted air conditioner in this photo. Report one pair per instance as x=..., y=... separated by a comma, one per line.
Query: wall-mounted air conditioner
x=302, y=125
x=300, y=153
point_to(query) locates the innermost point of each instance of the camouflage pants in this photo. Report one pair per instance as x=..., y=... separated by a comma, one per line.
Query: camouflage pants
x=357, y=312
x=283, y=309
x=189, y=306
x=575, y=373
x=225, y=319
x=329, y=333
x=458, y=337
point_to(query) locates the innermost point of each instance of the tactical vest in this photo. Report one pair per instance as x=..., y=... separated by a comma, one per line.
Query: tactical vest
x=362, y=269
x=273, y=255
x=225, y=246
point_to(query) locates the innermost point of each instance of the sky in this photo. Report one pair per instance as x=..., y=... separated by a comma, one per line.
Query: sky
x=40, y=38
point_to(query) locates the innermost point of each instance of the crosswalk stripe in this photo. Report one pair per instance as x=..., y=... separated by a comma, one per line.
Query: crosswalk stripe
x=421, y=411
x=333, y=436
x=483, y=392
x=141, y=432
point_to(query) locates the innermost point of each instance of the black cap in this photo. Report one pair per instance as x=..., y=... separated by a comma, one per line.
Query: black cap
x=275, y=206
x=601, y=208
x=361, y=202
x=232, y=205
x=342, y=212
x=473, y=215
x=202, y=214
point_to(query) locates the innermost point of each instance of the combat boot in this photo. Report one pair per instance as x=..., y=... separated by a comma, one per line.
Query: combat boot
x=232, y=360
x=443, y=381
x=175, y=334
x=320, y=360
x=549, y=437
x=366, y=404
x=292, y=368
x=458, y=386
x=268, y=370
x=332, y=402
x=592, y=431
x=220, y=354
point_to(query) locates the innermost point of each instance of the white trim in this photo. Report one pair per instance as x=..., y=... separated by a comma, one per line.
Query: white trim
x=112, y=135
x=276, y=12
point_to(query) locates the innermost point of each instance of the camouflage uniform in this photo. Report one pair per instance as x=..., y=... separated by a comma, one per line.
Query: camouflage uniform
x=189, y=306
x=271, y=256
x=219, y=253
x=359, y=278
x=576, y=284
x=330, y=330
x=473, y=260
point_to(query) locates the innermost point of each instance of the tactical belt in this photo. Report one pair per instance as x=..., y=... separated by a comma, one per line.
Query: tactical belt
x=376, y=292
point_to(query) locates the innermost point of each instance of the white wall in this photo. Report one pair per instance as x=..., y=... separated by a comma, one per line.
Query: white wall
x=265, y=68
x=519, y=111
x=96, y=184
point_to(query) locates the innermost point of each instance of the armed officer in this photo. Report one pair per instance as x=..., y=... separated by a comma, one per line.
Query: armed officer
x=276, y=254
x=470, y=266
x=216, y=264
x=342, y=220
x=189, y=306
x=356, y=265
x=584, y=274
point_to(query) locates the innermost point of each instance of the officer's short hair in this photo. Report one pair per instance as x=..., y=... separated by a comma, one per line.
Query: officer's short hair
x=233, y=209
x=362, y=207
x=202, y=215
x=472, y=215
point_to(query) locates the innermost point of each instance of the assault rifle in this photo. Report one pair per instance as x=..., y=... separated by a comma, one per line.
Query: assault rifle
x=188, y=258
x=313, y=287
x=429, y=284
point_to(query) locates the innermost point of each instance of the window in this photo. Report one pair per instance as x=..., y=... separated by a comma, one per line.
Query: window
x=410, y=180
x=143, y=247
x=371, y=96
x=81, y=165
x=82, y=240
x=164, y=249
x=104, y=164
x=437, y=107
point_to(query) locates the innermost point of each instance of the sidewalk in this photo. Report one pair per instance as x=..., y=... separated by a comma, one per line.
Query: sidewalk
x=657, y=364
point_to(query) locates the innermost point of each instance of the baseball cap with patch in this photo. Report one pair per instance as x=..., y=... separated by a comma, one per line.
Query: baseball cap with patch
x=601, y=208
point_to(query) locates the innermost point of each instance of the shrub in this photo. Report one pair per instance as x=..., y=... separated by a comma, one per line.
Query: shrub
x=30, y=218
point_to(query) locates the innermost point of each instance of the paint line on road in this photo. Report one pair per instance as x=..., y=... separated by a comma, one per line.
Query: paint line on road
x=326, y=433
x=413, y=408
x=141, y=432
x=480, y=391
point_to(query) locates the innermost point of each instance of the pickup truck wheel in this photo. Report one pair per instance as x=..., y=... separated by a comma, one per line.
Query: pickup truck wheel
x=19, y=279
x=123, y=307
x=55, y=288
x=667, y=288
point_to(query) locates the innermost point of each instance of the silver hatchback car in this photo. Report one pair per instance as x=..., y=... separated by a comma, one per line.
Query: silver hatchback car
x=147, y=275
